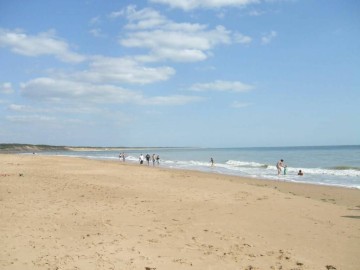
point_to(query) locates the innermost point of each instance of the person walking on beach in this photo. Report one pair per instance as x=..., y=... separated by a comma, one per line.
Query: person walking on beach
x=141, y=159
x=280, y=165
x=153, y=159
x=212, y=162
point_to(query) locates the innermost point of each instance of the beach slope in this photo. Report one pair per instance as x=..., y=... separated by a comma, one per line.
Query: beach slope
x=71, y=213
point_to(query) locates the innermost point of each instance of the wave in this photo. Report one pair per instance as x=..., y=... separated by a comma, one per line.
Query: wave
x=343, y=168
x=335, y=171
x=348, y=176
x=259, y=168
x=320, y=171
x=237, y=163
x=236, y=166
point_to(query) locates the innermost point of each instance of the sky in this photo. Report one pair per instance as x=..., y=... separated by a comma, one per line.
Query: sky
x=182, y=73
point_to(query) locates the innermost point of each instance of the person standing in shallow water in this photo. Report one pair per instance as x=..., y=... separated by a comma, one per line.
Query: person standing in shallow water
x=153, y=159
x=280, y=165
x=212, y=162
x=148, y=159
x=158, y=160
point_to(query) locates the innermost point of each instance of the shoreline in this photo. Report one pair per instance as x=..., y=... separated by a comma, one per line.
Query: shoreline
x=306, y=190
x=328, y=172
x=266, y=179
x=280, y=178
x=295, y=188
x=282, y=185
x=62, y=213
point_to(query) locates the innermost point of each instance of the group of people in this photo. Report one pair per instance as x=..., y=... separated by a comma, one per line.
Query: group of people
x=122, y=156
x=156, y=161
x=281, y=165
x=154, y=158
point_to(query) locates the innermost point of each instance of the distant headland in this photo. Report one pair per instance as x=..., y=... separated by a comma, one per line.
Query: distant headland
x=33, y=148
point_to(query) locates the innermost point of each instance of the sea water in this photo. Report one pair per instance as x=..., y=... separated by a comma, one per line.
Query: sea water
x=322, y=165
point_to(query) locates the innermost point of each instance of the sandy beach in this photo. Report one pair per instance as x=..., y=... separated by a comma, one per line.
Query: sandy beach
x=72, y=213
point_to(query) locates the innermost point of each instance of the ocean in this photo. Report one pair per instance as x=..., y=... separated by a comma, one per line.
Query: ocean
x=321, y=165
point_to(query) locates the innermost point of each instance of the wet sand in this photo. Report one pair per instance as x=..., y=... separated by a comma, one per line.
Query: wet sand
x=72, y=213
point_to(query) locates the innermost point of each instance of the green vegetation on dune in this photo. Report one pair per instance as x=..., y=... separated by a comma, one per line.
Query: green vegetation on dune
x=29, y=148
x=16, y=147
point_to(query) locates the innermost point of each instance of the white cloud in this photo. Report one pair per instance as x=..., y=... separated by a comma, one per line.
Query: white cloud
x=193, y=4
x=97, y=32
x=168, y=40
x=35, y=45
x=206, y=68
x=58, y=90
x=121, y=70
x=17, y=108
x=222, y=86
x=63, y=108
x=185, y=55
x=30, y=109
x=95, y=20
x=6, y=88
x=171, y=100
x=267, y=38
x=242, y=39
x=237, y=104
x=143, y=19
x=29, y=118
x=256, y=13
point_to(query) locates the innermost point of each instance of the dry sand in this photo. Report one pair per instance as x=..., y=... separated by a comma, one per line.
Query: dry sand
x=69, y=213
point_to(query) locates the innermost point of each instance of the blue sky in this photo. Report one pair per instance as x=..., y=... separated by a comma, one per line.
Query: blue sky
x=208, y=73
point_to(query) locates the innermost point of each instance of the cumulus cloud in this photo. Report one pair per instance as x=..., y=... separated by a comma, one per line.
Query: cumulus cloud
x=121, y=70
x=169, y=40
x=242, y=39
x=222, y=86
x=142, y=19
x=57, y=90
x=99, y=82
x=41, y=44
x=193, y=4
x=6, y=88
x=52, y=89
x=268, y=37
